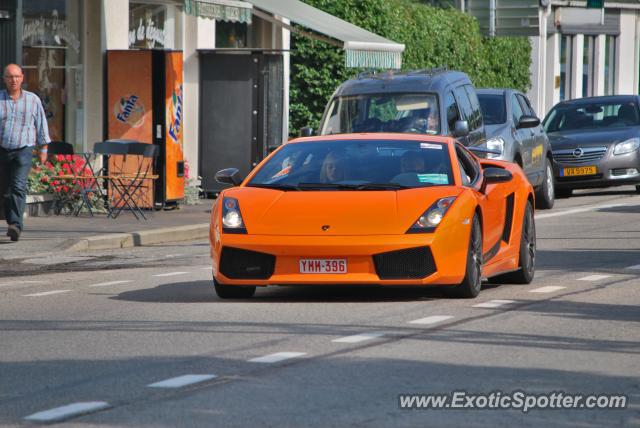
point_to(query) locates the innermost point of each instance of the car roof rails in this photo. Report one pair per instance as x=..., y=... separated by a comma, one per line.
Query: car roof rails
x=375, y=74
x=429, y=71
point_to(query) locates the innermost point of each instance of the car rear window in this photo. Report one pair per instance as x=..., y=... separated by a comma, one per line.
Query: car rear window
x=356, y=164
x=592, y=115
x=493, y=108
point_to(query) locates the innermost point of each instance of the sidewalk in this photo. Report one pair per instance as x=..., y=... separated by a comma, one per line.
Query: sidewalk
x=73, y=234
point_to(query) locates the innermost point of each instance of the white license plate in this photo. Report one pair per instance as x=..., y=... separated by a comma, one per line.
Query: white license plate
x=323, y=265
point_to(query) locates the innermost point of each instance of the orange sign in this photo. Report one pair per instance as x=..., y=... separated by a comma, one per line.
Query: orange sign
x=174, y=121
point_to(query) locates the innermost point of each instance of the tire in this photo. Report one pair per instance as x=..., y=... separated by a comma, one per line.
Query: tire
x=637, y=189
x=472, y=282
x=233, y=291
x=546, y=195
x=527, y=265
x=563, y=193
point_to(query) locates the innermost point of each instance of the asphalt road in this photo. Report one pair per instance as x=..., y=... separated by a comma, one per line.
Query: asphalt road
x=102, y=328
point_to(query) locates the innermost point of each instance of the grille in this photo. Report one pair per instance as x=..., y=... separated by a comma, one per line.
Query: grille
x=412, y=263
x=508, y=219
x=243, y=264
x=589, y=154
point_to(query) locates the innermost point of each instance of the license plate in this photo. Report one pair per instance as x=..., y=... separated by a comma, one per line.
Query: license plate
x=323, y=265
x=579, y=170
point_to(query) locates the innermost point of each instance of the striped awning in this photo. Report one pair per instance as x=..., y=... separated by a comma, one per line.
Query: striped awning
x=220, y=10
x=363, y=48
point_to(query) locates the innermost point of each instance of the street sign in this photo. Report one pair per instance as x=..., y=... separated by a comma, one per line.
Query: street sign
x=595, y=4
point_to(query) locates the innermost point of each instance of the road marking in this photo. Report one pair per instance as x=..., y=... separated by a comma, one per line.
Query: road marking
x=547, y=289
x=104, y=284
x=68, y=411
x=206, y=268
x=594, y=277
x=46, y=293
x=277, y=357
x=493, y=303
x=180, y=381
x=6, y=284
x=171, y=274
x=359, y=337
x=634, y=267
x=578, y=210
x=431, y=320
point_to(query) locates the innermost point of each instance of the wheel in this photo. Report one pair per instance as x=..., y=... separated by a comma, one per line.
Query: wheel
x=233, y=291
x=527, y=266
x=545, y=195
x=637, y=189
x=472, y=282
x=563, y=193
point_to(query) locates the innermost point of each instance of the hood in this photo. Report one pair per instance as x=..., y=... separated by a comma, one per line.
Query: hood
x=304, y=213
x=590, y=137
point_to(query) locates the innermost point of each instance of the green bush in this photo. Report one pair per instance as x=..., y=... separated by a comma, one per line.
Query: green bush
x=433, y=37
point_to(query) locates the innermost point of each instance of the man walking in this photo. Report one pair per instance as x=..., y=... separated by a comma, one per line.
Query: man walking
x=23, y=126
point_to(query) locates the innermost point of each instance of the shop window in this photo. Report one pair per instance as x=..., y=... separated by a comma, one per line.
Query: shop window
x=154, y=26
x=609, y=65
x=51, y=40
x=231, y=34
x=565, y=67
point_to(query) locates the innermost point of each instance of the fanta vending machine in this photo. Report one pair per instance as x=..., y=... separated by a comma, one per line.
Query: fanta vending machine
x=145, y=104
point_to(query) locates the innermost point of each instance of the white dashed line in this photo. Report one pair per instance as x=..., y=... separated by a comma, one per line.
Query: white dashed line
x=634, y=267
x=206, y=268
x=68, y=411
x=547, y=289
x=104, y=284
x=277, y=357
x=594, y=277
x=578, y=210
x=171, y=274
x=432, y=319
x=180, y=381
x=6, y=284
x=46, y=293
x=359, y=337
x=493, y=303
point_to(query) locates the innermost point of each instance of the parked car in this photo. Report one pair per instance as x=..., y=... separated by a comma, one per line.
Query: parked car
x=595, y=142
x=385, y=209
x=515, y=131
x=434, y=102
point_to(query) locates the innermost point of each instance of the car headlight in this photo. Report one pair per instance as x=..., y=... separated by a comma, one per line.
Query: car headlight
x=627, y=146
x=495, y=143
x=431, y=218
x=231, y=217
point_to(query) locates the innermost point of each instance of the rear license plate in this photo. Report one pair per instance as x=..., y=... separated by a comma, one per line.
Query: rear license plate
x=580, y=170
x=323, y=265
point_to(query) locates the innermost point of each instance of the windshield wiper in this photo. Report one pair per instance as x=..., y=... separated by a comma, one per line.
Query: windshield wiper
x=275, y=186
x=363, y=186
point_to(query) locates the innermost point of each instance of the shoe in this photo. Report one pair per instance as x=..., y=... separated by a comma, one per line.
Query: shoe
x=14, y=232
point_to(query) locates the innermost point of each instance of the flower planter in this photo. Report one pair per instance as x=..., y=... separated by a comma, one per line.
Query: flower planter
x=39, y=205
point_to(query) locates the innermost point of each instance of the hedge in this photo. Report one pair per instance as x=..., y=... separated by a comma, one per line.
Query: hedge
x=433, y=37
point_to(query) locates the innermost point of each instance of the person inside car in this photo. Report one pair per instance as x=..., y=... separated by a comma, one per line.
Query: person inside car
x=333, y=168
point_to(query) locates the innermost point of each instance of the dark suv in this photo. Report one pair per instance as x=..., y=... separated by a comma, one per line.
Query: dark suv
x=437, y=102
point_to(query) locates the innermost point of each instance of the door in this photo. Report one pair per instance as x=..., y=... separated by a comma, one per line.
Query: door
x=523, y=136
x=538, y=144
x=241, y=97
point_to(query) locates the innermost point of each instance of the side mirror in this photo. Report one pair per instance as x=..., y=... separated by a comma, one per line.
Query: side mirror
x=229, y=176
x=306, y=132
x=461, y=128
x=495, y=175
x=528, y=122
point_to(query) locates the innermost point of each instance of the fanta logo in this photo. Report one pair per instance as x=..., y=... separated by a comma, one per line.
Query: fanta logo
x=174, y=113
x=129, y=110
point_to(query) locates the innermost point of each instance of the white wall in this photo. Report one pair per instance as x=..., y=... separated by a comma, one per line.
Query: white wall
x=115, y=24
x=93, y=75
x=552, y=93
x=626, y=55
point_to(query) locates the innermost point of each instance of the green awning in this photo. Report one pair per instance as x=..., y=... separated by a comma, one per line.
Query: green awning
x=363, y=48
x=221, y=10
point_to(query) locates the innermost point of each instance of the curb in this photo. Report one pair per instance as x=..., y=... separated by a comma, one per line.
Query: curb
x=138, y=239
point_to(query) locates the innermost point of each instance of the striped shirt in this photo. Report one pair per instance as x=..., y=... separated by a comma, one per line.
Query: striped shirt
x=22, y=122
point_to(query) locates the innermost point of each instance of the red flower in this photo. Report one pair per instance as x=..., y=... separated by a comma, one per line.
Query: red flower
x=59, y=158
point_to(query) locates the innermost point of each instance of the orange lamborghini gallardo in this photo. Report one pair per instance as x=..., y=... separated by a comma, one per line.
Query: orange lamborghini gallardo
x=385, y=209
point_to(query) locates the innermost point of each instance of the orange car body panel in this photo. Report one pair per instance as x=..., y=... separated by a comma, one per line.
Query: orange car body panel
x=289, y=225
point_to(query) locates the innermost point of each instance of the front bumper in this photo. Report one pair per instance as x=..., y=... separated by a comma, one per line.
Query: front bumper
x=449, y=256
x=610, y=172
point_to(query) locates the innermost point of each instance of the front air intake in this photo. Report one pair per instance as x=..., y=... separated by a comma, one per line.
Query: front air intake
x=412, y=263
x=244, y=264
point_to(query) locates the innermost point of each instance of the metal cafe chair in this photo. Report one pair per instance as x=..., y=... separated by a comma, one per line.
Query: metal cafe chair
x=128, y=169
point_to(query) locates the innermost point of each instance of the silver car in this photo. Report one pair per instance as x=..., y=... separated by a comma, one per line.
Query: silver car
x=513, y=129
x=595, y=142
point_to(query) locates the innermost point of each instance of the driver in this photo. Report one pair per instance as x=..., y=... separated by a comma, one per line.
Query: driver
x=333, y=168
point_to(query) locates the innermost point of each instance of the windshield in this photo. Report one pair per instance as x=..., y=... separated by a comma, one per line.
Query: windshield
x=416, y=113
x=493, y=108
x=356, y=165
x=594, y=115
